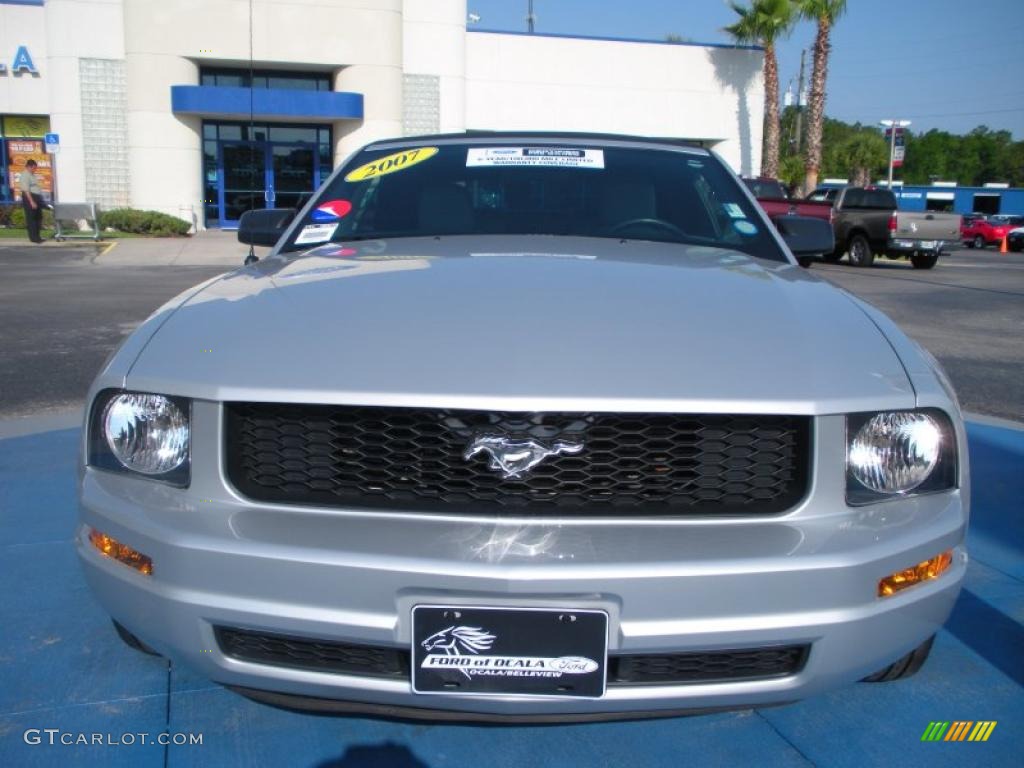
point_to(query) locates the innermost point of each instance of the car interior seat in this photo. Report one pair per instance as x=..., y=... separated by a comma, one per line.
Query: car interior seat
x=445, y=209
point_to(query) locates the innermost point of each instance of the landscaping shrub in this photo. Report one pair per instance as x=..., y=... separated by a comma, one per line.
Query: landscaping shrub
x=14, y=216
x=143, y=222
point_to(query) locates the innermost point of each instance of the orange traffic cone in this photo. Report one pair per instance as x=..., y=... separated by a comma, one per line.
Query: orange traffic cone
x=1002, y=245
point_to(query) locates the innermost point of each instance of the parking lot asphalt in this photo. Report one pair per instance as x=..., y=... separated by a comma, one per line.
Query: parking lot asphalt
x=61, y=316
x=968, y=311
x=62, y=667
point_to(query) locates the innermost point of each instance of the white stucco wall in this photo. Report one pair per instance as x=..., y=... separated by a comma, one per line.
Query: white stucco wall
x=76, y=29
x=23, y=93
x=651, y=89
x=360, y=43
x=434, y=43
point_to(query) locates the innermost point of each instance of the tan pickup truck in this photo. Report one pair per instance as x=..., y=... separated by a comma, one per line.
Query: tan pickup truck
x=867, y=223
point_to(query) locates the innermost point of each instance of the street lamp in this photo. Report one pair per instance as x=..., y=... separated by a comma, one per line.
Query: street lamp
x=893, y=125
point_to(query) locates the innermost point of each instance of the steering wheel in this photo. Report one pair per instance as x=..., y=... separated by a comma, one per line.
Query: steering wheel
x=667, y=226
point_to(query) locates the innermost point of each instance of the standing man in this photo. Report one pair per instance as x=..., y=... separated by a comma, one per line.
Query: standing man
x=31, y=200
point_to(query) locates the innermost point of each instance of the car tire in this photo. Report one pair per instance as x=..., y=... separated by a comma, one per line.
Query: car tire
x=904, y=667
x=132, y=641
x=924, y=262
x=859, y=251
x=978, y=242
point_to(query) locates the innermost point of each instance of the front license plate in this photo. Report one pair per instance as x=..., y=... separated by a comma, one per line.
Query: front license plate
x=520, y=651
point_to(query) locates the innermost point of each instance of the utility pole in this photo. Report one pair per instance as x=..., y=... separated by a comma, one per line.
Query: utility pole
x=530, y=18
x=799, y=101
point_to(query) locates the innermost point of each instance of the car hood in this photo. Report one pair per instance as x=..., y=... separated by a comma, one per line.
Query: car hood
x=532, y=323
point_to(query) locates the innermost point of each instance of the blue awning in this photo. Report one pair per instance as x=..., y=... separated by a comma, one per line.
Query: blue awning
x=220, y=101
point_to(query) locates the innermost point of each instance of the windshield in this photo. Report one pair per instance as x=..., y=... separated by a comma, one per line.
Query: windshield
x=823, y=195
x=509, y=188
x=765, y=189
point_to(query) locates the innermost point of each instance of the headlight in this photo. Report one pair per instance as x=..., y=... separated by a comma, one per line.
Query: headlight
x=144, y=433
x=898, y=452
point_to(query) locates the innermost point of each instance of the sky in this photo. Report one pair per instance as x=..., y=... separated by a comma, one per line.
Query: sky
x=945, y=64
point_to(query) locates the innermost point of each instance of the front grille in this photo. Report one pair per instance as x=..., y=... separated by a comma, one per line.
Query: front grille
x=302, y=653
x=374, y=661
x=710, y=666
x=412, y=458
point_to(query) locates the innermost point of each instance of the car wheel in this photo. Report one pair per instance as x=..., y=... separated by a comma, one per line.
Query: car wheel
x=860, y=251
x=905, y=666
x=924, y=262
x=978, y=242
x=132, y=641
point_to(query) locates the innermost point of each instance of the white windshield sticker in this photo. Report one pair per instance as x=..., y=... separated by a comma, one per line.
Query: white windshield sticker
x=555, y=157
x=734, y=211
x=315, y=233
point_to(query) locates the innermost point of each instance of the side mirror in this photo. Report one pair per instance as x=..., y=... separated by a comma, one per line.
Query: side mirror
x=806, y=236
x=264, y=226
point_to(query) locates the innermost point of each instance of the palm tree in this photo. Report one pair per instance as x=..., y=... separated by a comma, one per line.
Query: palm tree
x=824, y=13
x=862, y=154
x=764, y=22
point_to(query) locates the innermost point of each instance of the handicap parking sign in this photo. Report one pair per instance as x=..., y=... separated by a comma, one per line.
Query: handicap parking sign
x=52, y=142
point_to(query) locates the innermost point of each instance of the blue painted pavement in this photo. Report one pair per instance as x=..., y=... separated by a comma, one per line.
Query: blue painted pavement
x=61, y=666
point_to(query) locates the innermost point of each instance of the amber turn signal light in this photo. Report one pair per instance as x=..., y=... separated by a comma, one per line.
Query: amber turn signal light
x=908, y=577
x=113, y=548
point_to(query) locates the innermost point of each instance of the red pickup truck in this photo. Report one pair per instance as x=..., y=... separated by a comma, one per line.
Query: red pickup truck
x=771, y=196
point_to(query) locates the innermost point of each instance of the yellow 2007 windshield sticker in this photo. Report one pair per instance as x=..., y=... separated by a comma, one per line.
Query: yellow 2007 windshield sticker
x=399, y=161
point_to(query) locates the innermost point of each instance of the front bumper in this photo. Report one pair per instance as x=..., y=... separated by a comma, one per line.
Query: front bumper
x=668, y=586
x=905, y=247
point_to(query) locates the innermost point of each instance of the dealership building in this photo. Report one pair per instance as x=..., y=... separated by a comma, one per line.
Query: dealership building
x=206, y=108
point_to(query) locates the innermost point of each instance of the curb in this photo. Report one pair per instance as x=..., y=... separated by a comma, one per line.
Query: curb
x=993, y=421
x=32, y=425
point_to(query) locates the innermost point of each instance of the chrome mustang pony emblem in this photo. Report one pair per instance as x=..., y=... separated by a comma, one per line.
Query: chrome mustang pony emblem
x=515, y=457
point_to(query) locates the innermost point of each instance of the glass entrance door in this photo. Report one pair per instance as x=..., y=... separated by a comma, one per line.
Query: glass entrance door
x=261, y=174
x=295, y=173
x=245, y=180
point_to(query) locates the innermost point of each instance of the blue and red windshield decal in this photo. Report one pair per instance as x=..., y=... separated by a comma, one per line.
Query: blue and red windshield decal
x=332, y=210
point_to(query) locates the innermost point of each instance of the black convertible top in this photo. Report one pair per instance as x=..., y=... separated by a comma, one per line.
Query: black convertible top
x=546, y=136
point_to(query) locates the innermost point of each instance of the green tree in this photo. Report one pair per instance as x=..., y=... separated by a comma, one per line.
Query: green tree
x=980, y=156
x=791, y=171
x=824, y=13
x=863, y=154
x=764, y=22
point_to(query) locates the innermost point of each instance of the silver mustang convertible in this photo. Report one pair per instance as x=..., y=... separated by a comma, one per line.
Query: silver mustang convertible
x=526, y=427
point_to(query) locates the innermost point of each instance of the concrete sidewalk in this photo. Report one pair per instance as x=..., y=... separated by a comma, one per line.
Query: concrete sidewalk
x=209, y=248
x=214, y=247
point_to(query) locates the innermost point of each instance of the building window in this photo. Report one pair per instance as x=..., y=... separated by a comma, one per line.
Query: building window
x=265, y=78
